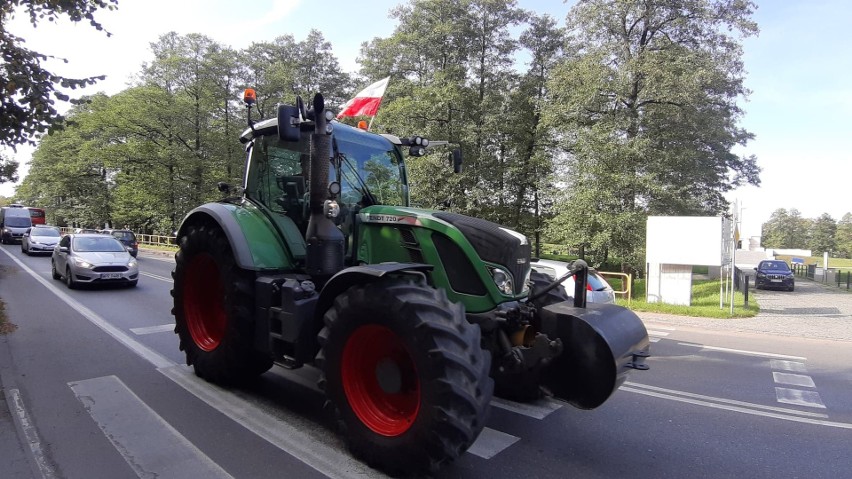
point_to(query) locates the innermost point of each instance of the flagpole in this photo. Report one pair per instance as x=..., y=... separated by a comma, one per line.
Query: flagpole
x=370, y=125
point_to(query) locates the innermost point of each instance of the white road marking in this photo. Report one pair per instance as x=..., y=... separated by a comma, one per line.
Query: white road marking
x=154, y=329
x=156, y=276
x=22, y=419
x=799, y=397
x=658, y=326
x=146, y=353
x=537, y=410
x=653, y=339
x=793, y=379
x=743, y=351
x=661, y=334
x=794, y=366
x=732, y=402
x=149, y=444
x=491, y=442
x=755, y=412
x=289, y=432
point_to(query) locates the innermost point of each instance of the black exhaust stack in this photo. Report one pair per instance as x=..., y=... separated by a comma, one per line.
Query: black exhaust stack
x=325, y=242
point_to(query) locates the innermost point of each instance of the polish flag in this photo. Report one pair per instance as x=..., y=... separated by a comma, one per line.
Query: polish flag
x=366, y=102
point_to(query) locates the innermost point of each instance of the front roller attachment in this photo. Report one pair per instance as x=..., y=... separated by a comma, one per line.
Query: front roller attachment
x=602, y=343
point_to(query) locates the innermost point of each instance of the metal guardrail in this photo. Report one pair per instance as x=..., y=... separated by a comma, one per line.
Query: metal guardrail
x=155, y=240
x=628, y=280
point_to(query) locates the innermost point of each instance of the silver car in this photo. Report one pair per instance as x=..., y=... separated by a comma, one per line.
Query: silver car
x=597, y=289
x=93, y=258
x=40, y=239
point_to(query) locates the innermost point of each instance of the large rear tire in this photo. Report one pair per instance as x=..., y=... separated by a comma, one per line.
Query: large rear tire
x=526, y=386
x=213, y=309
x=406, y=374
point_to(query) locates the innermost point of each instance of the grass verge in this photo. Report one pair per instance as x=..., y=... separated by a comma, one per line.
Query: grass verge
x=705, y=302
x=6, y=326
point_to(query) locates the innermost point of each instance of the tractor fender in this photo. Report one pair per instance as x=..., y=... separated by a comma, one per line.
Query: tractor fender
x=367, y=273
x=234, y=220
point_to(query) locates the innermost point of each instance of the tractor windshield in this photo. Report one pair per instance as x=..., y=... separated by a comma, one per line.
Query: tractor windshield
x=371, y=172
x=369, y=175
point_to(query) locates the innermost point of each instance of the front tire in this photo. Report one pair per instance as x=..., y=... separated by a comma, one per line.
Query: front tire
x=55, y=274
x=214, y=309
x=406, y=374
x=69, y=279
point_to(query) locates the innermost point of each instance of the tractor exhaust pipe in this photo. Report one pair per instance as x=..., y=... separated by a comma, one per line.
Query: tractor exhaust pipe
x=325, y=242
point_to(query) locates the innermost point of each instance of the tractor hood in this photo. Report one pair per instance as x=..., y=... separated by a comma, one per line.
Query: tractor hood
x=456, y=235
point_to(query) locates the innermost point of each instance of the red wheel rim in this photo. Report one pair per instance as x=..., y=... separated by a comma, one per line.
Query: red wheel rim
x=380, y=380
x=203, y=302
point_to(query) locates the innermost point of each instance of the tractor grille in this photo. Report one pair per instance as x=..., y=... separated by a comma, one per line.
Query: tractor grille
x=410, y=244
x=109, y=269
x=494, y=244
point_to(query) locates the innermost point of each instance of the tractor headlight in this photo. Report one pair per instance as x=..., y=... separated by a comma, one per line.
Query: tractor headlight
x=503, y=280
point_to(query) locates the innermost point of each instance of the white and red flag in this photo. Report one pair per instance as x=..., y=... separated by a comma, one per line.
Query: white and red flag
x=366, y=102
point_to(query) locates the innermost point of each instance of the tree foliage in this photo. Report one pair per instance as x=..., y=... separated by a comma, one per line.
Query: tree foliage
x=147, y=155
x=647, y=99
x=843, y=237
x=785, y=230
x=28, y=91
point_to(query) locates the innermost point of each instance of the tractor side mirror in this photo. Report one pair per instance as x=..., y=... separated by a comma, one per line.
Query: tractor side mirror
x=288, y=123
x=456, y=160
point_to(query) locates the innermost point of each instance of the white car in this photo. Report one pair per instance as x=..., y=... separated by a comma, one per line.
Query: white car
x=93, y=258
x=597, y=289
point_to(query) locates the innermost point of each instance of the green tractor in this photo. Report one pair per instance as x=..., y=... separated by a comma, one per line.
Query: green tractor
x=414, y=317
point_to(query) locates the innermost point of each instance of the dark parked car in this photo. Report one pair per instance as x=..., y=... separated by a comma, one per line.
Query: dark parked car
x=127, y=238
x=40, y=239
x=774, y=274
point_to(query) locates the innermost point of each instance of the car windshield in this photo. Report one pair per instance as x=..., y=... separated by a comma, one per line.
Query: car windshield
x=18, y=222
x=53, y=233
x=92, y=244
x=779, y=265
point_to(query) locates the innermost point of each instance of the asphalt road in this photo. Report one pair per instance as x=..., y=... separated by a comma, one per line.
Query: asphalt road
x=96, y=387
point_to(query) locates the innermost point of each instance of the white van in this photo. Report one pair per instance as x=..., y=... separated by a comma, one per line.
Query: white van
x=14, y=222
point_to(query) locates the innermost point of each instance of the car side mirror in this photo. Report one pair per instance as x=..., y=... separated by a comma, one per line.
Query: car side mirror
x=63, y=249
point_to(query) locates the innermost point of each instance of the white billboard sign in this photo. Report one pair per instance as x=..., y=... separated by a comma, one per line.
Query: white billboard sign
x=688, y=240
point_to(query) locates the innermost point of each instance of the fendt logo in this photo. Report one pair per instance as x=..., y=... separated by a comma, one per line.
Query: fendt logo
x=390, y=219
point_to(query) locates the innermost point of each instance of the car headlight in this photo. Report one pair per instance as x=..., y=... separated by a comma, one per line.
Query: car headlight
x=761, y=275
x=7, y=230
x=131, y=263
x=83, y=263
x=503, y=280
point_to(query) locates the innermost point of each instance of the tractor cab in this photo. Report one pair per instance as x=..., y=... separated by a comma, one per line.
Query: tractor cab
x=365, y=170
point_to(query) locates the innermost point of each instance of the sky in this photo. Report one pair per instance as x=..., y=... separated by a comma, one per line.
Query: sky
x=798, y=70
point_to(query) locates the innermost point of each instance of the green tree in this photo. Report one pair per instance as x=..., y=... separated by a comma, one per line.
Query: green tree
x=647, y=101
x=785, y=230
x=843, y=236
x=29, y=91
x=8, y=169
x=821, y=238
x=69, y=174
